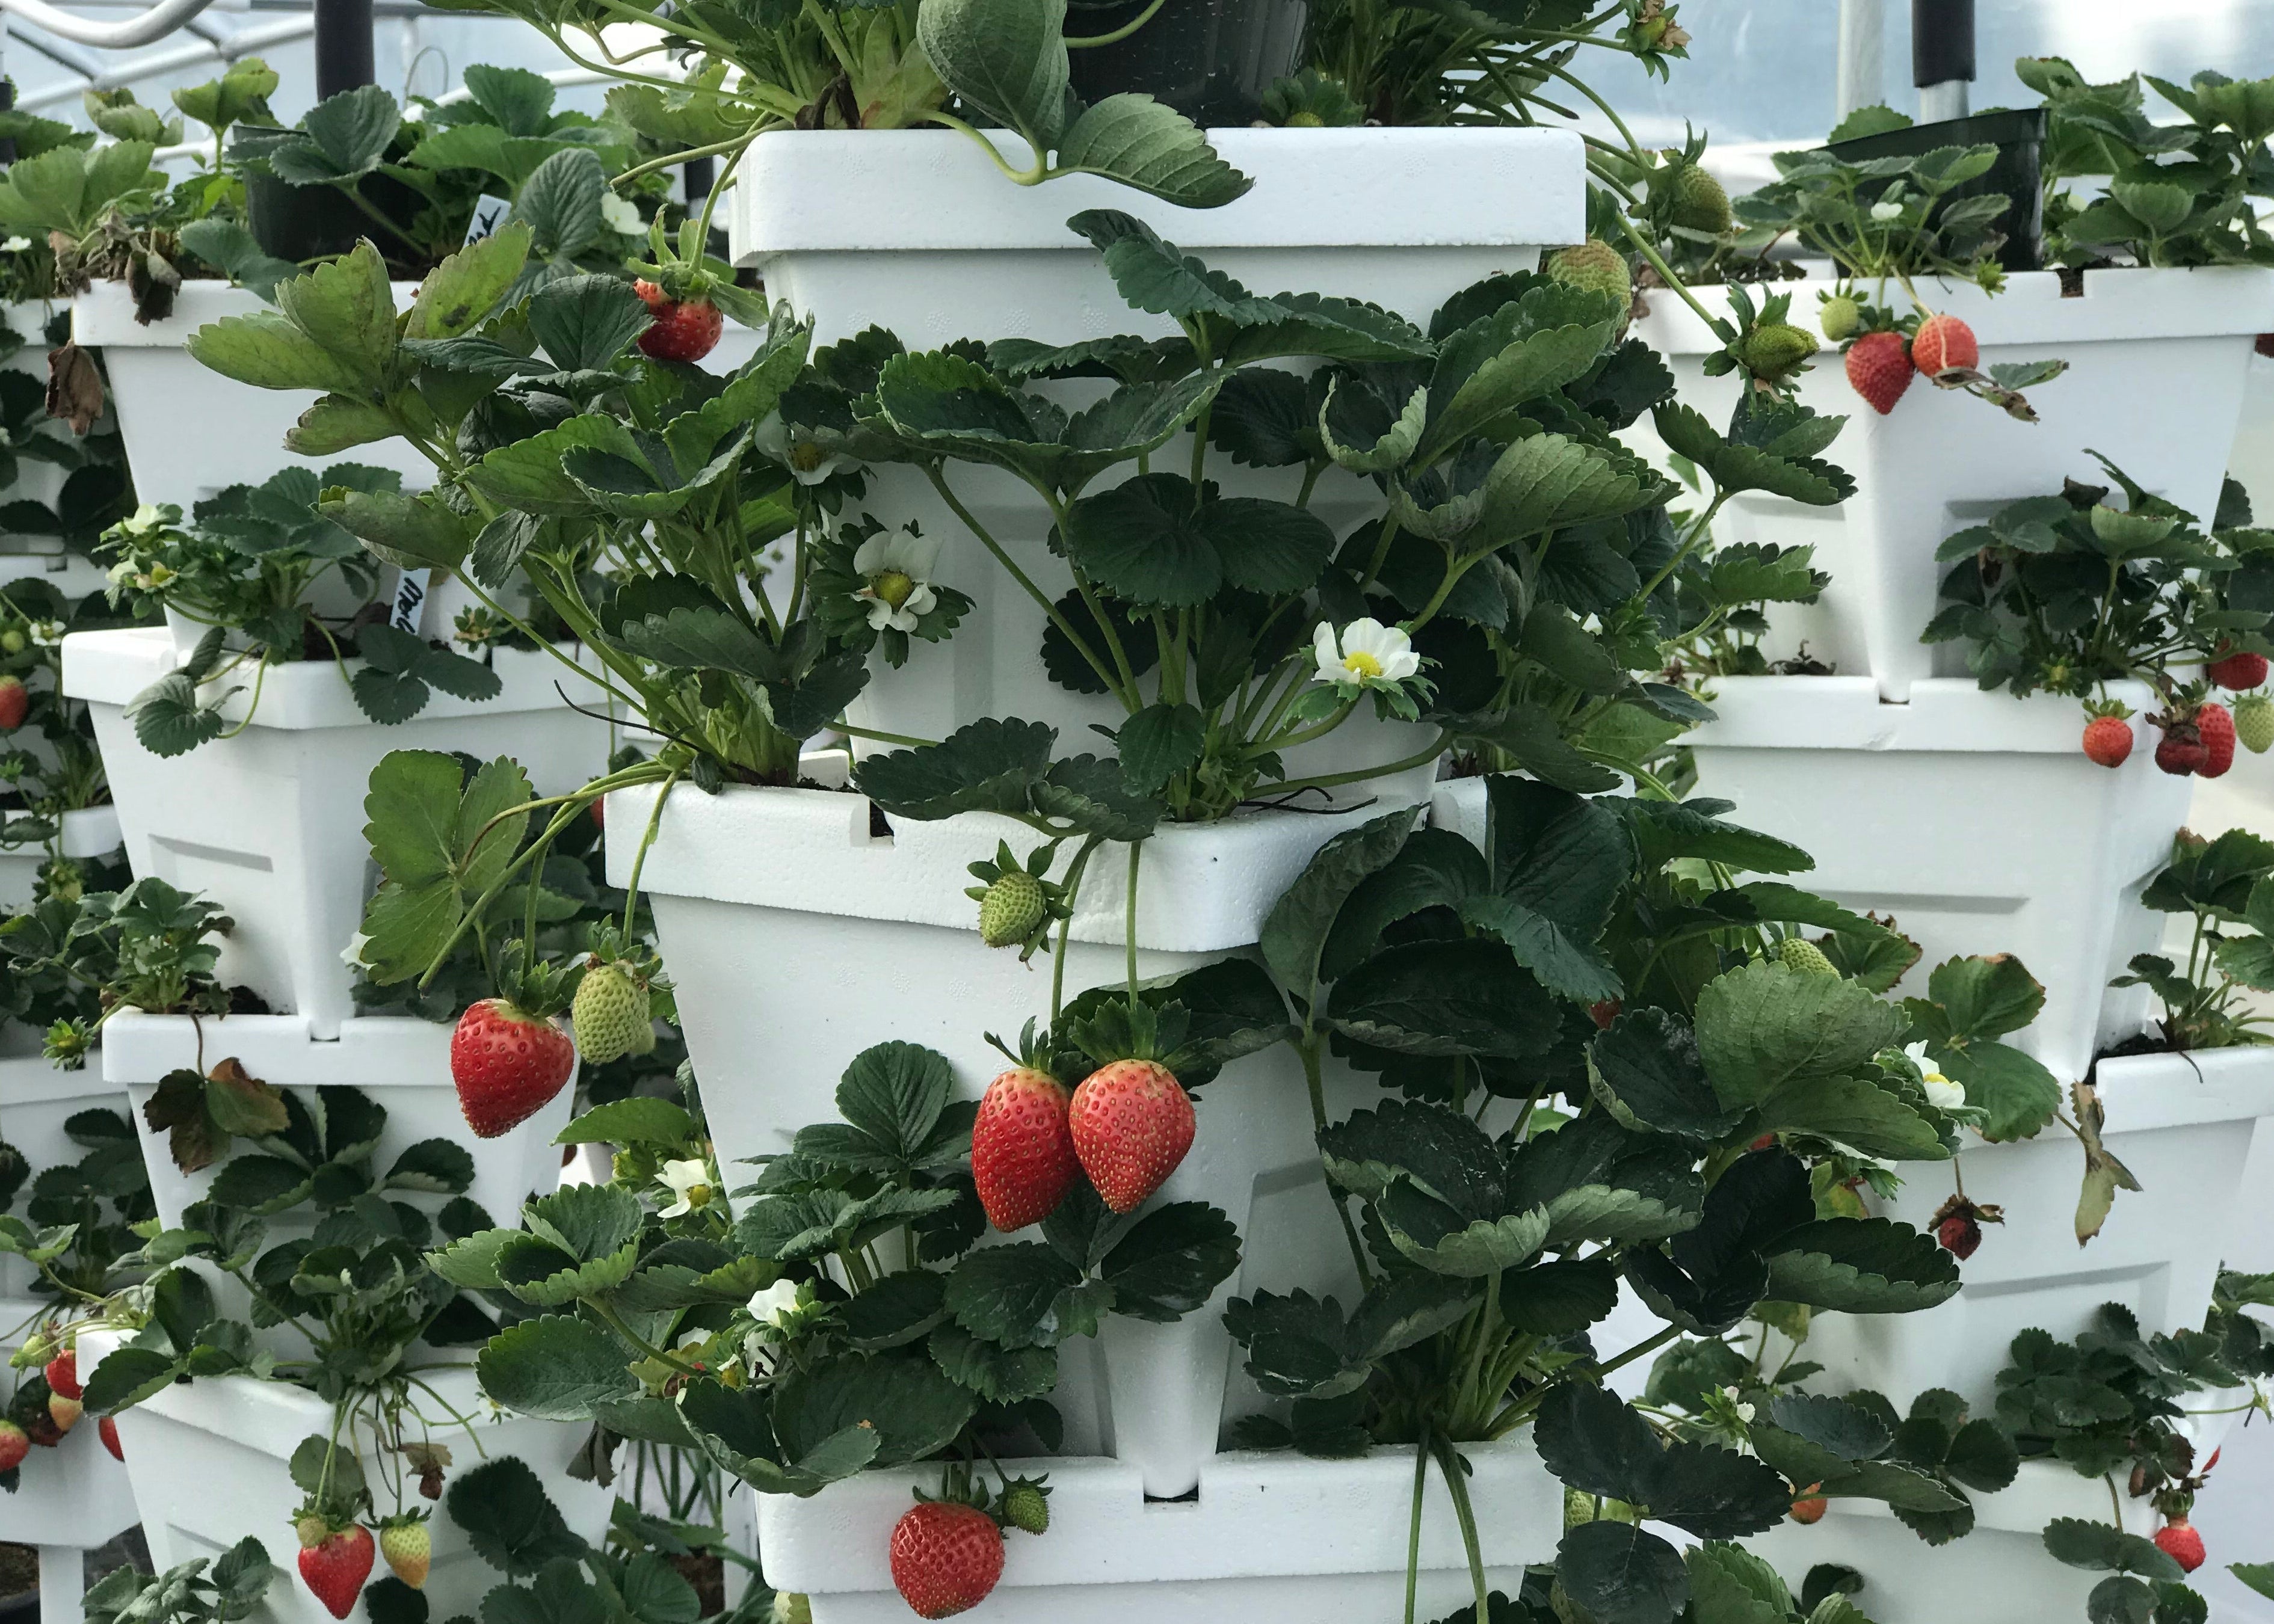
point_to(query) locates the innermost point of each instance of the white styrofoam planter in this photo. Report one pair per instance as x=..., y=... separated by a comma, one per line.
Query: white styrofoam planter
x=190, y=432
x=88, y=831
x=69, y=1500
x=37, y=1101
x=1974, y=818
x=1268, y=1539
x=2182, y=1124
x=2157, y=363
x=791, y=932
x=269, y=823
x=917, y=232
x=402, y=1063
x=2001, y=1570
x=208, y=1461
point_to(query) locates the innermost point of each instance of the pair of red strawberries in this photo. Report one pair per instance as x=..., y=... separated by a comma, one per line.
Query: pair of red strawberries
x=1127, y=1126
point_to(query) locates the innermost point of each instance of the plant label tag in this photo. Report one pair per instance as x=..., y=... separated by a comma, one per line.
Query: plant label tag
x=490, y=212
x=410, y=598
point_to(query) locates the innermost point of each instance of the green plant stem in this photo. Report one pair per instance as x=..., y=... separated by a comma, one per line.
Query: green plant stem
x=1129, y=918
x=1414, y=1525
x=639, y=857
x=1315, y=1083
x=1448, y=1463
x=614, y=1321
x=1330, y=780
x=971, y=522
x=1118, y=34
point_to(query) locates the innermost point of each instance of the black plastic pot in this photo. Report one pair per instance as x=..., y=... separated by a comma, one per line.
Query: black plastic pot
x=2020, y=138
x=307, y=222
x=1211, y=60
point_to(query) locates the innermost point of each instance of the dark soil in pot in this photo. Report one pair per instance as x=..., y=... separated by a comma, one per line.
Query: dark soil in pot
x=1211, y=60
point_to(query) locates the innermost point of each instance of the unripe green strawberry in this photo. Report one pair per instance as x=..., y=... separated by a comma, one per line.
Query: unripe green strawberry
x=2253, y=723
x=610, y=1010
x=409, y=1550
x=1796, y=954
x=1700, y=202
x=1010, y=909
x=1775, y=351
x=1592, y=267
x=792, y=1608
x=1027, y=1505
x=1838, y=318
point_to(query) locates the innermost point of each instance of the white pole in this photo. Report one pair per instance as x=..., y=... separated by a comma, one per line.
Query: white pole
x=1862, y=78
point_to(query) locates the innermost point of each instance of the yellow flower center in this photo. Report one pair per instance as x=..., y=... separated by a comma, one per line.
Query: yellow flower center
x=698, y=1195
x=894, y=586
x=805, y=456
x=1359, y=663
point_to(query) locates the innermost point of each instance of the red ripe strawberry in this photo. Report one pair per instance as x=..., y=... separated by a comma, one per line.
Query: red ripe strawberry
x=63, y=1373
x=2215, y=726
x=2181, y=751
x=684, y=330
x=14, y=1446
x=2108, y=740
x=1810, y=1507
x=1943, y=343
x=1880, y=370
x=507, y=1065
x=2238, y=671
x=106, y=1429
x=1604, y=1013
x=946, y=1558
x=2179, y=1540
x=1021, y=1150
x=335, y=1566
x=15, y=700
x=1960, y=1234
x=1133, y=1123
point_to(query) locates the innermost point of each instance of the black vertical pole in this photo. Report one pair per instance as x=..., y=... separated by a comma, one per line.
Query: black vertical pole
x=1942, y=56
x=343, y=54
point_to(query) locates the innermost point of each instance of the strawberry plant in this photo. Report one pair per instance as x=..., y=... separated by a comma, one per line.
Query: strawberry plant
x=1705, y=1075
x=274, y=581
x=49, y=764
x=2156, y=190
x=187, y=1593
x=1466, y=603
x=2112, y=1404
x=82, y=958
x=2226, y=884
x=2067, y=593
x=859, y=1247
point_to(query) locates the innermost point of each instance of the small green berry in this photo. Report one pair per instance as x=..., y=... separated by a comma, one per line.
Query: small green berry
x=13, y=641
x=610, y=1014
x=1012, y=907
x=1840, y=318
x=2253, y=723
x=1795, y=953
x=1700, y=202
x=1775, y=351
x=1592, y=267
x=1027, y=1505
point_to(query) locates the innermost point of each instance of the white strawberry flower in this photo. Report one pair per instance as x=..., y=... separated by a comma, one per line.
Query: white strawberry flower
x=775, y=1304
x=690, y=1185
x=807, y=463
x=1885, y=211
x=1942, y=1092
x=895, y=569
x=1366, y=654
x=621, y=215
x=351, y=954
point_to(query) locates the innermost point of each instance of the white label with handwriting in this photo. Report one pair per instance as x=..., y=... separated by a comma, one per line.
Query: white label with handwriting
x=410, y=599
x=490, y=212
